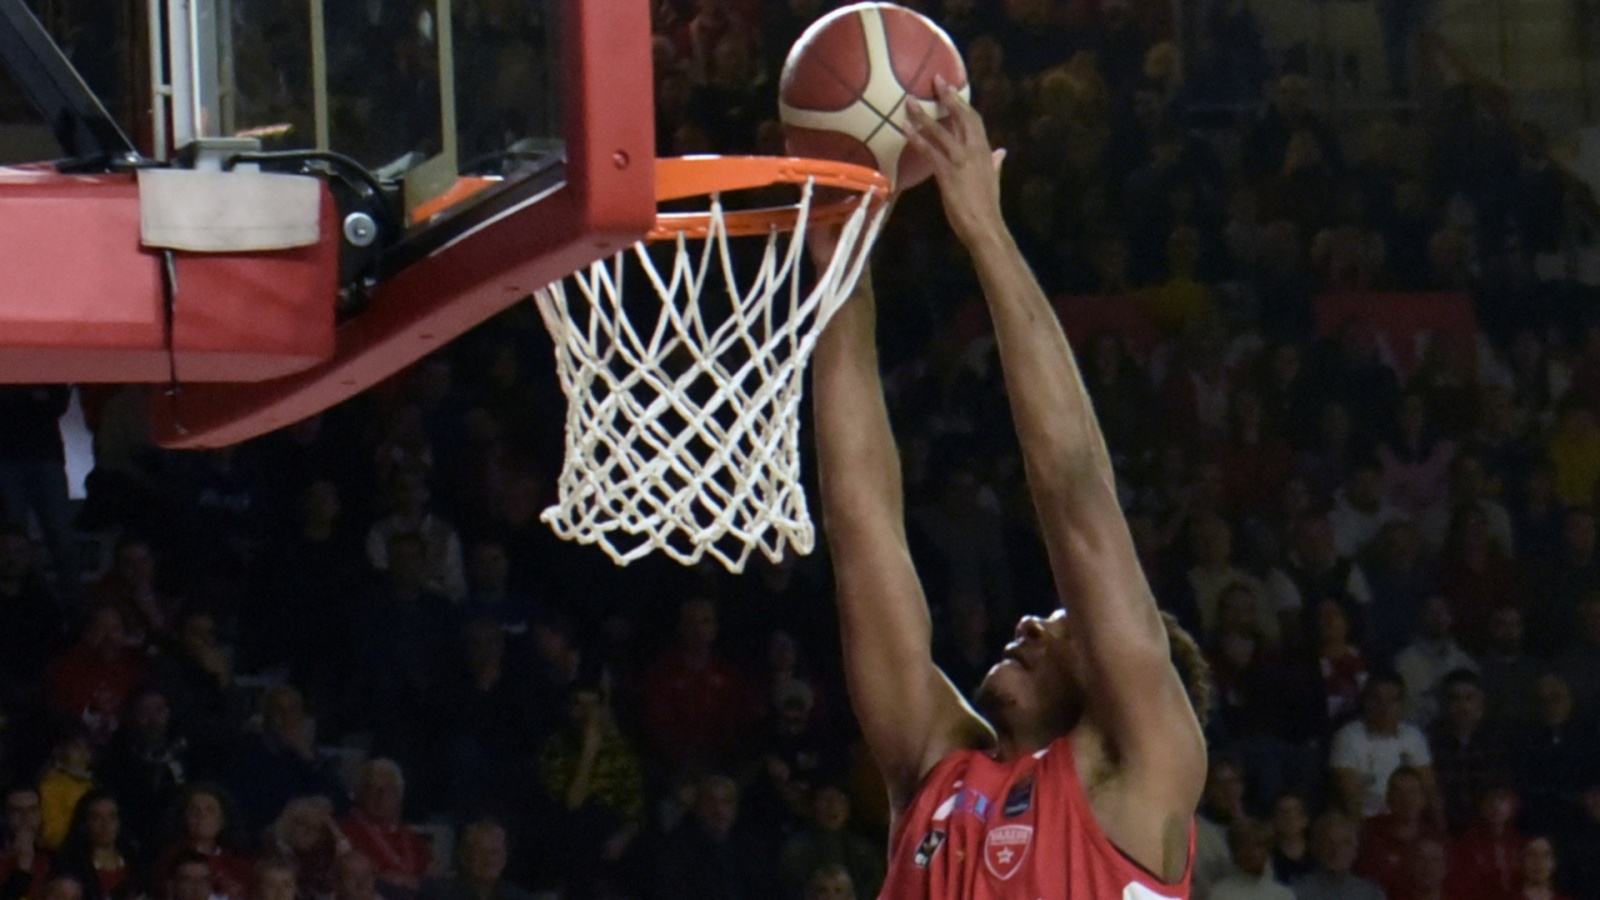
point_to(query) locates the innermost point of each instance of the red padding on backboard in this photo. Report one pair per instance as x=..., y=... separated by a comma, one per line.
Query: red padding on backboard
x=82, y=301
x=79, y=300
x=255, y=316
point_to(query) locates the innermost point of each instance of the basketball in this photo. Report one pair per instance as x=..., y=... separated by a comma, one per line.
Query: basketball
x=849, y=78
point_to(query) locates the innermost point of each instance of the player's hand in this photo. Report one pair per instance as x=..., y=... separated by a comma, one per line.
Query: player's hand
x=967, y=168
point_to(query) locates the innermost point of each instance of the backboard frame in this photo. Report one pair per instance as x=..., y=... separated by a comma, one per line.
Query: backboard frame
x=479, y=261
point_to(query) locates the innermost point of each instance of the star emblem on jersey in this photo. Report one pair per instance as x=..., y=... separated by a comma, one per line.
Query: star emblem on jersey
x=885, y=97
x=1005, y=848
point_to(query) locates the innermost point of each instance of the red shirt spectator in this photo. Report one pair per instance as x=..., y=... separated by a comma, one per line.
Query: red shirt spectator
x=1388, y=840
x=1486, y=862
x=203, y=821
x=94, y=679
x=696, y=706
x=400, y=857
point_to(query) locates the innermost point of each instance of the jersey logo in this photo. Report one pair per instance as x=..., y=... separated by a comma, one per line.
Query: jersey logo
x=1019, y=798
x=1005, y=848
x=929, y=846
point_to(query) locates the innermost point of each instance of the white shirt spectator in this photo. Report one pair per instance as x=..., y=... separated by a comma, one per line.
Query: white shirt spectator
x=1353, y=529
x=1423, y=666
x=1375, y=757
x=1284, y=596
x=447, y=575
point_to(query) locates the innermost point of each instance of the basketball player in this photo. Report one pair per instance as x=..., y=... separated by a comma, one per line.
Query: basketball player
x=1078, y=773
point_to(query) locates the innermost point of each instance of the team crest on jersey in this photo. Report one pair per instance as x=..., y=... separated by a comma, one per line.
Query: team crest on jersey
x=1005, y=848
x=928, y=847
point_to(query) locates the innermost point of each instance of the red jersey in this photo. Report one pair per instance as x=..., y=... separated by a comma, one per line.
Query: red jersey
x=980, y=829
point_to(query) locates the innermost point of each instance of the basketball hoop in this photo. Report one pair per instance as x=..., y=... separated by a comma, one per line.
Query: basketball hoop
x=682, y=431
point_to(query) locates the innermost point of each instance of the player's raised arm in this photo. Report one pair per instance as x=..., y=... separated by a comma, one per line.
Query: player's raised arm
x=909, y=712
x=1134, y=693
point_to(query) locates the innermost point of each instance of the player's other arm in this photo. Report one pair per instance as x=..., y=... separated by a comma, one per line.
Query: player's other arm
x=910, y=714
x=1135, y=694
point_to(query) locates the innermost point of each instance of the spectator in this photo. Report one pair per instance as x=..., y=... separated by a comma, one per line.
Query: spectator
x=1214, y=572
x=488, y=589
x=130, y=587
x=1333, y=843
x=1360, y=509
x=1539, y=870
x=1292, y=858
x=794, y=753
x=1476, y=575
x=376, y=829
x=33, y=475
x=303, y=613
x=443, y=572
x=192, y=879
x=1556, y=587
x=65, y=782
x=1368, y=750
x=306, y=836
x=1426, y=871
x=1581, y=864
x=1416, y=458
x=354, y=878
x=1574, y=448
x=1486, y=861
x=1470, y=755
x=829, y=842
x=203, y=829
x=1579, y=664
x=486, y=719
x=1268, y=142
x=831, y=882
x=481, y=865
x=1388, y=840
x=1221, y=806
x=279, y=762
x=195, y=675
x=1509, y=673
x=709, y=855
x=1250, y=843
x=1468, y=485
x=1557, y=755
x=697, y=707
x=98, y=853
x=145, y=766
x=24, y=862
x=593, y=774
x=274, y=879
x=402, y=634
x=1401, y=579
x=1313, y=571
x=93, y=681
x=34, y=628
x=1342, y=667
x=1424, y=665
x=62, y=886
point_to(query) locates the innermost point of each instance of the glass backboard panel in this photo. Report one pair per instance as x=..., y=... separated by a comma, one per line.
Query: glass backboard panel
x=424, y=89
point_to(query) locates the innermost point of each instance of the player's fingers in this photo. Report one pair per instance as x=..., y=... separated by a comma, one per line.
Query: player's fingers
x=961, y=113
x=934, y=135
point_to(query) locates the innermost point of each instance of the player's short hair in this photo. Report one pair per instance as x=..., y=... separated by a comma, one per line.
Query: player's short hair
x=1192, y=666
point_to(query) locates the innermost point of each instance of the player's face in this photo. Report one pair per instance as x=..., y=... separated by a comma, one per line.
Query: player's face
x=1037, y=680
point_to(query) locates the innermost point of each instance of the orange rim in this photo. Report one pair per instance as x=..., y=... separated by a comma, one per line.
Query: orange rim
x=682, y=177
x=679, y=178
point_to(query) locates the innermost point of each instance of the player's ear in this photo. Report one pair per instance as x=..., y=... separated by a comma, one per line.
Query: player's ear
x=999, y=160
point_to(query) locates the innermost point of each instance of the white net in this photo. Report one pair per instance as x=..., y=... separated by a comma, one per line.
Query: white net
x=682, y=431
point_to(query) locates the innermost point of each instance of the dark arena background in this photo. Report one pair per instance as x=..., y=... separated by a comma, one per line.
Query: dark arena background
x=1332, y=269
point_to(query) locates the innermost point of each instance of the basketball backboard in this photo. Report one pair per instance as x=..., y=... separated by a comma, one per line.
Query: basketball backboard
x=551, y=97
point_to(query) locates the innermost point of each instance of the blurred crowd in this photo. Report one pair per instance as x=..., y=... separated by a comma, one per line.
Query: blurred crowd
x=346, y=661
